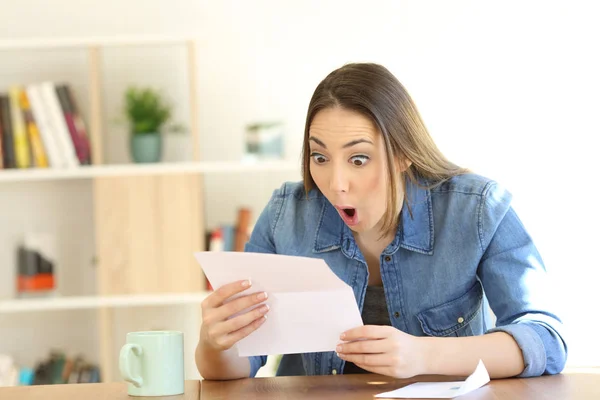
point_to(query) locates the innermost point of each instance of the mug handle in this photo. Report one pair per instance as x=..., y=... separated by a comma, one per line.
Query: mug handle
x=125, y=363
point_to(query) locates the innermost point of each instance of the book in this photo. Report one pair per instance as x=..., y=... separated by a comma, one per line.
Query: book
x=58, y=123
x=8, y=149
x=44, y=125
x=75, y=123
x=75, y=372
x=57, y=365
x=228, y=237
x=85, y=375
x=38, y=153
x=81, y=128
x=42, y=374
x=68, y=368
x=21, y=142
x=241, y=229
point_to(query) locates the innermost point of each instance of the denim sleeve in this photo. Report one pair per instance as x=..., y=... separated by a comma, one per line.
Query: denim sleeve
x=261, y=241
x=515, y=282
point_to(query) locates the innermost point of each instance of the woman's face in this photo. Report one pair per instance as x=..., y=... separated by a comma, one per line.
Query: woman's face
x=348, y=165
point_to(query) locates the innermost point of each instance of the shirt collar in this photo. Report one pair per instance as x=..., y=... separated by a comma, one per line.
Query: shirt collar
x=414, y=232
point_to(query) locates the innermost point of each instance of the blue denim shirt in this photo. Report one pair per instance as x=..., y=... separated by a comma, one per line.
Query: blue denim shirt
x=462, y=252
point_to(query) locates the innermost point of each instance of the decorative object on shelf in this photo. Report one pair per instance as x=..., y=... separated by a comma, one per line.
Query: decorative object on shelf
x=148, y=114
x=35, y=267
x=9, y=373
x=264, y=141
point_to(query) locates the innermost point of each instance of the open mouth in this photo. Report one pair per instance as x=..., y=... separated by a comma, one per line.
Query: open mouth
x=350, y=212
x=349, y=215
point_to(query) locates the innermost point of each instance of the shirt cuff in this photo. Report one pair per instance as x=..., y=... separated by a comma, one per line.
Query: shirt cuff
x=531, y=345
x=256, y=362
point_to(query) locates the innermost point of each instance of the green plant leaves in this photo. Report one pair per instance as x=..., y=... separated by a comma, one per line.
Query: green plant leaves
x=146, y=110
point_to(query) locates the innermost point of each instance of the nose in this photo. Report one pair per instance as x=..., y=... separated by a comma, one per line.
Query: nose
x=339, y=180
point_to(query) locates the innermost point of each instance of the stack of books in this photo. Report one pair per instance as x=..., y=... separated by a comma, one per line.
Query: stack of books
x=230, y=237
x=41, y=127
x=55, y=369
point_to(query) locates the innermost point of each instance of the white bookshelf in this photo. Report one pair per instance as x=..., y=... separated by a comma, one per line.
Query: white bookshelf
x=67, y=201
x=74, y=203
x=94, y=302
x=98, y=171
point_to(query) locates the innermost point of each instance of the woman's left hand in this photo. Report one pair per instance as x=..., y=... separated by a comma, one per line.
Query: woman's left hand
x=383, y=350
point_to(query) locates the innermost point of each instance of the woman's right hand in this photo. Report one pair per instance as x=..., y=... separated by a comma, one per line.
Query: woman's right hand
x=219, y=331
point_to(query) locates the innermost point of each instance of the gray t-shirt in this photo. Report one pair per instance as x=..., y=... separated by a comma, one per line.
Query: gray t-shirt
x=374, y=312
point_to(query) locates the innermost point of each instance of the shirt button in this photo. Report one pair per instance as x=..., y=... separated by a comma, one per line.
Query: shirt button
x=461, y=320
x=388, y=258
x=334, y=372
x=396, y=314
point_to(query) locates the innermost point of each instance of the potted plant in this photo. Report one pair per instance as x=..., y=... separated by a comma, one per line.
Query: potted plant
x=147, y=114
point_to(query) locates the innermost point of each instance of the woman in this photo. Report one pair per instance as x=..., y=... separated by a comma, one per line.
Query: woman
x=427, y=247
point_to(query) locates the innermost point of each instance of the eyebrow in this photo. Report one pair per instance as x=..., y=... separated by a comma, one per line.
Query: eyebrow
x=349, y=144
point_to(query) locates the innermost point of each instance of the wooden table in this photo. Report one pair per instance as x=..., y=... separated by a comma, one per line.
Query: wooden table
x=348, y=387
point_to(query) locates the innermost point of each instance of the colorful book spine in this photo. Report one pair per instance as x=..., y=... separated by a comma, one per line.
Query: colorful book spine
x=58, y=123
x=228, y=237
x=243, y=224
x=21, y=142
x=8, y=149
x=75, y=123
x=40, y=159
x=68, y=115
x=44, y=125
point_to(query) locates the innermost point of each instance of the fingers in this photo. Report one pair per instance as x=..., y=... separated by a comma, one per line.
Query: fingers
x=227, y=341
x=218, y=297
x=364, y=347
x=372, y=353
x=219, y=330
x=368, y=360
x=240, y=321
x=241, y=303
x=366, y=332
x=238, y=335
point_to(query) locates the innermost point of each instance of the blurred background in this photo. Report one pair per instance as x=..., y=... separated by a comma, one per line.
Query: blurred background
x=138, y=132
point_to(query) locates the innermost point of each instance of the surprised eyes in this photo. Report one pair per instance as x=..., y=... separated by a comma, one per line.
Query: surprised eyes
x=357, y=161
x=318, y=158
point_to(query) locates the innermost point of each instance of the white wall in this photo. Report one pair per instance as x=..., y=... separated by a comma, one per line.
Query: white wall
x=508, y=89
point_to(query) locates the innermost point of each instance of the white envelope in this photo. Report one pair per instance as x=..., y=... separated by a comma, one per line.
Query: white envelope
x=441, y=390
x=309, y=305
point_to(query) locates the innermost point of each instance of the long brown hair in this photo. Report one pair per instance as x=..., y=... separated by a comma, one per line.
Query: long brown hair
x=374, y=91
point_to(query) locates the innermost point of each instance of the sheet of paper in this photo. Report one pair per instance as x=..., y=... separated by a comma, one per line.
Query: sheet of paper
x=441, y=390
x=309, y=305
